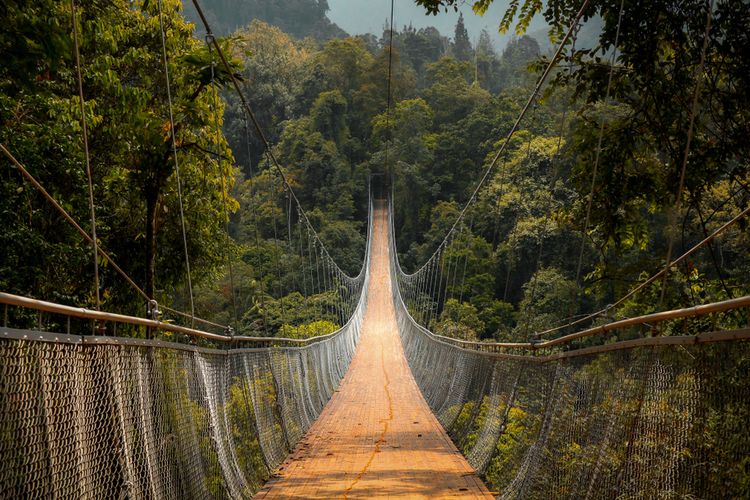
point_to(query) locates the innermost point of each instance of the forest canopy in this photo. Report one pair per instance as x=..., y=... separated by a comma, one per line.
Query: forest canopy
x=320, y=97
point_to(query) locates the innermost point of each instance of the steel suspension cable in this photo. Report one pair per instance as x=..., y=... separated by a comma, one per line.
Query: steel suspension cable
x=307, y=262
x=85, y=133
x=439, y=283
x=448, y=259
x=86, y=236
x=693, y=112
x=598, y=152
x=426, y=297
x=552, y=180
x=317, y=266
x=254, y=216
x=424, y=279
x=535, y=280
x=556, y=158
x=224, y=187
x=304, y=270
x=436, y=274
x=429, y=298
x=503, y=174
x=256, y=124
x=295, y=280
x=324, y=272
x=535, y=276
x=176, y=161
x=512, y=235
x=511, y=241
x=280, y=287
x=457, y=262
x=466, y=260
x=388, y=171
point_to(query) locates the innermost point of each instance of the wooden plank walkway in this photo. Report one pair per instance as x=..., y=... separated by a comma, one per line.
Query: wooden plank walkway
x=376, y=438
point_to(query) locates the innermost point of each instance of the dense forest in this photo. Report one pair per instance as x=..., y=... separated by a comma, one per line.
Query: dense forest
x=533, y=252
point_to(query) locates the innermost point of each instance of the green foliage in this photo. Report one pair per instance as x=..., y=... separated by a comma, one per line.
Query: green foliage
x=328, y=116
x=459, y=320
x=305, y=331
x=514, y=258
x=131, y=152
x=520, y=429
x=274, y=72
x=461, y=44
x=547, y=297
x=518, y=55
x=241, y=416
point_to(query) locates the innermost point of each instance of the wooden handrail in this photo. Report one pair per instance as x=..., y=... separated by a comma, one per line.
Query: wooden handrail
x=80, y=312
x=687, y=312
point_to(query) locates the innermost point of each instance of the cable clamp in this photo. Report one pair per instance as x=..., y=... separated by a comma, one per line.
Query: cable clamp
x=534, y=340
x=152, y=310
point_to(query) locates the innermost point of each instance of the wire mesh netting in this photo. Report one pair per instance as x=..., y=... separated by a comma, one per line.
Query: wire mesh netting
x=112, y=420
x=107, y=417
x=643, y=422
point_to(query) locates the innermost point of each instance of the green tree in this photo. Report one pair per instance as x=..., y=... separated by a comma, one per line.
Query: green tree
x=459, y=320
x=547, y=297
x=486, y=62
x=420, y=48
x=130, y=144
x=273, y=75
x=513, y=66
x=461, y=44
x=328, y=116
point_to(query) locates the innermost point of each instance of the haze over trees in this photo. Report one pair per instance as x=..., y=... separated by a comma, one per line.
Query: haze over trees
x=299, y=18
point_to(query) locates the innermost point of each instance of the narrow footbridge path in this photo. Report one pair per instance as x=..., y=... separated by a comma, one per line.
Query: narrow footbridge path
x=376, y=437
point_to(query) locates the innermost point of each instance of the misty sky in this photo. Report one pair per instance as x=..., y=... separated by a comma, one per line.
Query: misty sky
x=369, y=16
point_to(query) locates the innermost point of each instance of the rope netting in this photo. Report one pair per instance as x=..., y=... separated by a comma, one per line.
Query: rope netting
x=112, y=417
x=648, y=421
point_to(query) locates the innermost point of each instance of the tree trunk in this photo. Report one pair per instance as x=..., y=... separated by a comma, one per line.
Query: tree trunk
x=151, y=199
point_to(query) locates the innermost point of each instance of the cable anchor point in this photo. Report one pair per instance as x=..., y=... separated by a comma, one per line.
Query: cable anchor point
x=152, y=310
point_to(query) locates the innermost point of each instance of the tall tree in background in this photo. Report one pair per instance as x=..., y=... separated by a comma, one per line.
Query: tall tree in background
x=420, y=47
x=486, y=62
x=461, y=43
x=513, y=67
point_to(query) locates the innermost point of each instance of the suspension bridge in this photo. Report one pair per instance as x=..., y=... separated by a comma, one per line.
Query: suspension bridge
x=382, y=407
x=101, y=405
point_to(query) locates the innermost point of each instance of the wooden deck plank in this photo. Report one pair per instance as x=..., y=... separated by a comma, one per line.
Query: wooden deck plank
x=376, y=438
